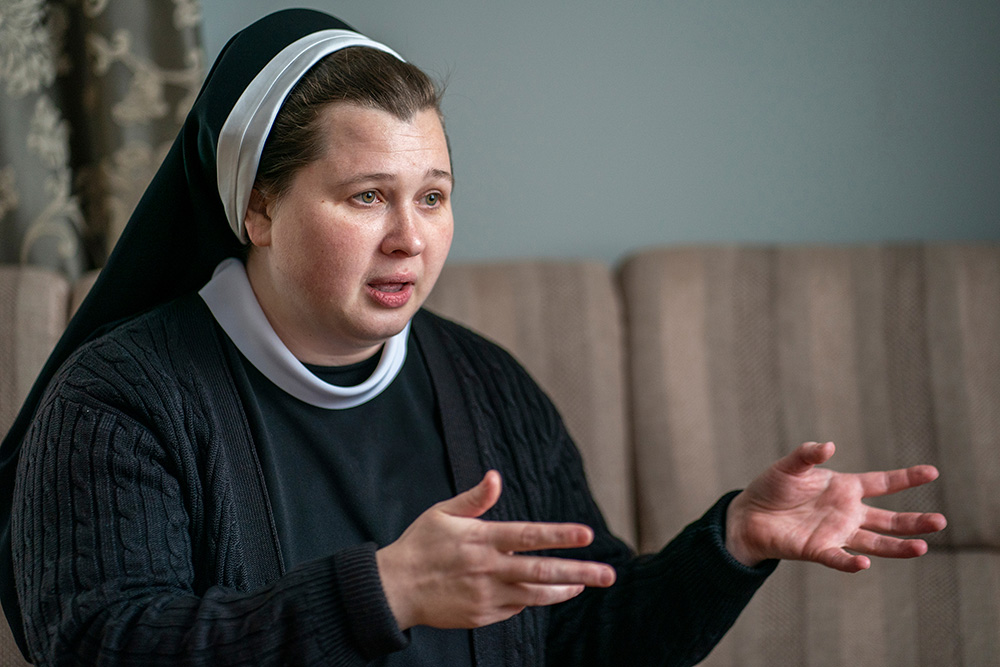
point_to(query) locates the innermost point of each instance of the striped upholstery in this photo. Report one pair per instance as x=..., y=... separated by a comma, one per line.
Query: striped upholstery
x=33, y=305
x=562, y=321
x=939, y=610
x=33, y=313
x=740, y=353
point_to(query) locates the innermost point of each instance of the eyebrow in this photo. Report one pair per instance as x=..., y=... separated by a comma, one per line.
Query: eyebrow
x=381, y=176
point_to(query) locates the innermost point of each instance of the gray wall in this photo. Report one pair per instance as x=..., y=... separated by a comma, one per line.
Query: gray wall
x=590, y=128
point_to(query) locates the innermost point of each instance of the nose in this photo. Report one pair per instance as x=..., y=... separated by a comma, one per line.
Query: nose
x=404, y=236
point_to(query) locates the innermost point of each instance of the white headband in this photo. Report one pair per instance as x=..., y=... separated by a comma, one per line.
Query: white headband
x=248, y=124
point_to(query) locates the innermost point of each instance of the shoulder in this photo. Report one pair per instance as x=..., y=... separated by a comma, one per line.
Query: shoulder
x=160, y=336
x=146, y=354
x=485, y=372
x=434, y=330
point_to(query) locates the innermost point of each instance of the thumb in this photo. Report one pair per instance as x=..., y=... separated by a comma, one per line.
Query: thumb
x=807, y=456
x=477, y=500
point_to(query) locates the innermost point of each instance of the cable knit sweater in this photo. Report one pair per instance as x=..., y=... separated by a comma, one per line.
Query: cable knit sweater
x=143, y=534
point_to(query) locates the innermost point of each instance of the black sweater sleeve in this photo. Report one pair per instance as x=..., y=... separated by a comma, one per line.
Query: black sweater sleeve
x=667, y=608
x=128, y=550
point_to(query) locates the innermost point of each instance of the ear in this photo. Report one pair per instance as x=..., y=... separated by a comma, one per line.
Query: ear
x=257, y=220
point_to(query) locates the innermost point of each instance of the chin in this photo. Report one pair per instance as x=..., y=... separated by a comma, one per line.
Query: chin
x=380, y=331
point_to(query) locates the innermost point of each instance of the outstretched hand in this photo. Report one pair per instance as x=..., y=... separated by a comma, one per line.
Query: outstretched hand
x=798, y=511
x=451, y=569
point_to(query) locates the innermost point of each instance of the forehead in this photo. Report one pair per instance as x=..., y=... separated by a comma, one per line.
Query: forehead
x=354, y=134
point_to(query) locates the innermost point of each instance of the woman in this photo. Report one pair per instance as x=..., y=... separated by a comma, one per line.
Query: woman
x=247, y=447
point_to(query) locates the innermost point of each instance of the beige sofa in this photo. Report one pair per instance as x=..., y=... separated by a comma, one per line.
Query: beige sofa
x=685, y=371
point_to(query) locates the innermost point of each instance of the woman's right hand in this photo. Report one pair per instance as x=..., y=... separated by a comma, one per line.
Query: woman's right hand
x=451, y=569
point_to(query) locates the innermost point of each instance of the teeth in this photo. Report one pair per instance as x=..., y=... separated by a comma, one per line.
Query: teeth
x=394, y=287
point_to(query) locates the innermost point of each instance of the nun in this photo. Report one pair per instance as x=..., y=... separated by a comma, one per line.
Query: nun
x=252, y=445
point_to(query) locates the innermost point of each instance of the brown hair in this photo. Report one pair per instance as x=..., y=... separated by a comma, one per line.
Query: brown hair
x=357, y=74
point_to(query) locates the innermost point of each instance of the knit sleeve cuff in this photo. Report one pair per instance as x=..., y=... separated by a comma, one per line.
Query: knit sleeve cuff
x=731, y=572
x=370, y=619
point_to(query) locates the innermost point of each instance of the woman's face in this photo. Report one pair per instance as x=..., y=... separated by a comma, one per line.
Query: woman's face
x=348, y=254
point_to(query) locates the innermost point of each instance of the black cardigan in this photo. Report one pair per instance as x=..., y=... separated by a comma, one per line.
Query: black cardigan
x=143, y=535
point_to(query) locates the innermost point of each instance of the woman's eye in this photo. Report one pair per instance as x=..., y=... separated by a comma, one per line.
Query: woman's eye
x=368, y=197
x=432, y=199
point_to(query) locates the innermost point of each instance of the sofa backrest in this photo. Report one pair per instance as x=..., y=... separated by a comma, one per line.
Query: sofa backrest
x=739, y=354
x=33, y=314
x=562, y=320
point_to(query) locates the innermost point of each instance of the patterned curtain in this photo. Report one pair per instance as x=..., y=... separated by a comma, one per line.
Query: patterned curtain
x=92, y=93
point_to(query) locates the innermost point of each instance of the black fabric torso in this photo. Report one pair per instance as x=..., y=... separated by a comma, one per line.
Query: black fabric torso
x=337, y=478
x=159, y=390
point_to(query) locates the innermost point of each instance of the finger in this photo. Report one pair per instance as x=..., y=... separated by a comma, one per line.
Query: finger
x=885, y=482
x=805, y=457
x=874, y=544
x=549, y=570
x=477, y=500
x=903, y=523
x=518, y=596
x=841, y=560
x=533, y=536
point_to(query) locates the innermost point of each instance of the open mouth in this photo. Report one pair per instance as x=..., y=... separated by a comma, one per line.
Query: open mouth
x=391, y=294
x=389, y=287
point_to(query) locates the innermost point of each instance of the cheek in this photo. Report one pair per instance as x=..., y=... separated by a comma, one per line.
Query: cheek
x=438, y=250
x=311, y=243
x=325, y=264
x=444, y=236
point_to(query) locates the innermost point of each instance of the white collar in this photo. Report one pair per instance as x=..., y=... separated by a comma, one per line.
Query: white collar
x=234, y=305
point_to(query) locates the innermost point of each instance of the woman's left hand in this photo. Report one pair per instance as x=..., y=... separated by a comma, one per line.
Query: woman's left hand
x=798, y=511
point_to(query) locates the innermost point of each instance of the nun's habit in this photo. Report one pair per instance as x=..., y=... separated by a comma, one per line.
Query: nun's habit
x=166, y=551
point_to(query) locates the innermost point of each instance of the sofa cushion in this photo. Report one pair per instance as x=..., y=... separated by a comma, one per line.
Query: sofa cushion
x=561, y=320
x=33, y=314
x=741, y=353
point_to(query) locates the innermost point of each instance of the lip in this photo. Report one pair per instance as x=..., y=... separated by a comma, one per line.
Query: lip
x=391, y=291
